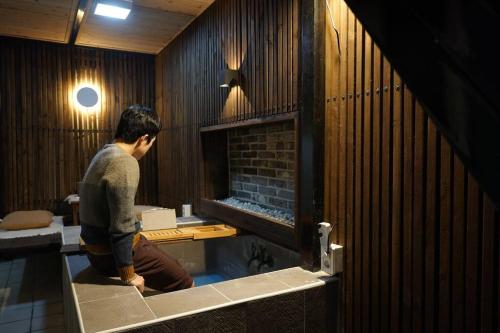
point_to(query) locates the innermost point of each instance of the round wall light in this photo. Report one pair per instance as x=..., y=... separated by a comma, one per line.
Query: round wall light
x=87, y=97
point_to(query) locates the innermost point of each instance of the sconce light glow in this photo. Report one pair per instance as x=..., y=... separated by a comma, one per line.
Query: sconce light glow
x=87, y=98
x=229, y=78
x=114, y=11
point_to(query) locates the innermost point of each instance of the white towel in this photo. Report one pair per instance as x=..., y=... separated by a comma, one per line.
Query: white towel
x=72, y=198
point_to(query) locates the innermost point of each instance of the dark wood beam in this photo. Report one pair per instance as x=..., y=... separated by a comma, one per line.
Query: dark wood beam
x=77, y=21
x=311, y=131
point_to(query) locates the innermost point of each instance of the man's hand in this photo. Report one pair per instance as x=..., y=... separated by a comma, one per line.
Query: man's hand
x=138, y=282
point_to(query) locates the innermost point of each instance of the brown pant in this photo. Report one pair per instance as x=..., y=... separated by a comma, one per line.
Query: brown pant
x=159, y=270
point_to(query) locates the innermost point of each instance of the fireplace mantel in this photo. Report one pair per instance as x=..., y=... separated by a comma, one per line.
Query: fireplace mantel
x=252, y=122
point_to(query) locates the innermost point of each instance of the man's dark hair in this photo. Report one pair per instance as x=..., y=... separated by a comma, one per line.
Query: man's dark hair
x=136, y=121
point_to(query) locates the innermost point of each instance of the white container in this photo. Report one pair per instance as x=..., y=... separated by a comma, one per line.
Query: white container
x=186, y=210
x=158, y=218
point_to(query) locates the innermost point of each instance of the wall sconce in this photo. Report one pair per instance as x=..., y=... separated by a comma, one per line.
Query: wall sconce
x=229, y=78
x=87, y=97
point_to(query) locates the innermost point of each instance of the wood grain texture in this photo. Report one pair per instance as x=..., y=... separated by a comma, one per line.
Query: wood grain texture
x=47, y=142
x=146, y=30
x=250, y=36
x=49, y=20
x=421, y=238
x=150, y=26
x=190, y=7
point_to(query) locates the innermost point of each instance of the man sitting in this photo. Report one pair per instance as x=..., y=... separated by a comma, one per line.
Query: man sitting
x=109, y=227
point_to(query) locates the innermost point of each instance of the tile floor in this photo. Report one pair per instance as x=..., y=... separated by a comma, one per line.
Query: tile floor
x=31, y=293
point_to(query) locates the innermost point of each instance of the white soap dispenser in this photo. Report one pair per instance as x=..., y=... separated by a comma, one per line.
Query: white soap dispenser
x=331, y=254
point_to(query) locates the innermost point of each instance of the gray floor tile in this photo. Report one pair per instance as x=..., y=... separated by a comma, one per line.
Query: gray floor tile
x=249, y=287
x=58, y=329
x=42, y=281
x=15, y=306
x=5, y=265
x=18, y=294
x=21, y=275
x=10, y=314
x=3, y=291
x=185, y=300
x=31, y=294
x=48, y=309
x=50, y=292
x=21, y=326
x=3, y=279
x=45, y=322
x=19, y=262
x=45, y=302
x=115, y=312
x=88, y=286
x=297, y=277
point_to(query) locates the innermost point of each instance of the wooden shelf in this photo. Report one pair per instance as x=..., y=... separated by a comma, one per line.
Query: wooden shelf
x=194, y=233
x=252, y=122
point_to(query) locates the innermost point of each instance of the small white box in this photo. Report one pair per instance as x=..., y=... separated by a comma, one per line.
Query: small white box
x=186, y=210
x=158, y=218
x=331, y=263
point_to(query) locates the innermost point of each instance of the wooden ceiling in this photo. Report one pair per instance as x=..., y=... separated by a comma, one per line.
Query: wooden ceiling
x=49, y=20
x=151, y=25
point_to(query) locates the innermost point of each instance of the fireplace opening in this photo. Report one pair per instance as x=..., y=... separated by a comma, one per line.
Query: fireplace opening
x=262, y=169
x=249, y=177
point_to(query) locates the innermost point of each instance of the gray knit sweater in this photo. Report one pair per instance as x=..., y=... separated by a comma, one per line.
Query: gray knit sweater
x=107, y=195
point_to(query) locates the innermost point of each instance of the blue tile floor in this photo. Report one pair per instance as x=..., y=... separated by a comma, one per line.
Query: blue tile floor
x=31, y=294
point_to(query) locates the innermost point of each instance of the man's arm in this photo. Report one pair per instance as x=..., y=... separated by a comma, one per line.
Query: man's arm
x=122, y=178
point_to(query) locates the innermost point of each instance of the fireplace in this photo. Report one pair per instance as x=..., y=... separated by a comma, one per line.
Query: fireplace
x=249, y=172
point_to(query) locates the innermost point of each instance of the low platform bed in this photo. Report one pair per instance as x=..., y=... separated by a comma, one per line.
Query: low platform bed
x=15, y=240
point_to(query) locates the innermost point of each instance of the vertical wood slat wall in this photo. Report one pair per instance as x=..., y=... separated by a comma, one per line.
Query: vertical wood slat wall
x=261, y=39
x=47, y=143
x=422, y=240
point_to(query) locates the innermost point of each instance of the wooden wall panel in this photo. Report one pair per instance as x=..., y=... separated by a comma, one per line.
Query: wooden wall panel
x=422, y=240
x=261, y=39
x=47, y=143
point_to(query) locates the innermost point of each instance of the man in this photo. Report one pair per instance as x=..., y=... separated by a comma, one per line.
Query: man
x=109, y=227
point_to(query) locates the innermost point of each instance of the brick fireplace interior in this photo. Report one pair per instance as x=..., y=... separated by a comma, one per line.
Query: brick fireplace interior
x=262, y=165
x=249, y=177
